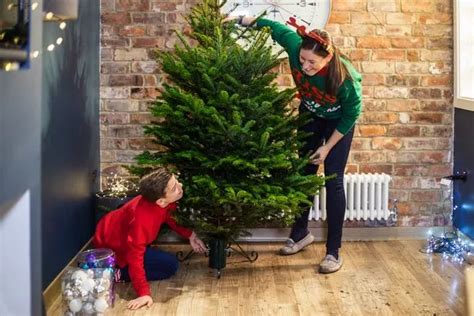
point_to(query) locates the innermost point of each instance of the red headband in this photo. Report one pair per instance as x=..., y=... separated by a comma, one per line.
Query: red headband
x=301, y=30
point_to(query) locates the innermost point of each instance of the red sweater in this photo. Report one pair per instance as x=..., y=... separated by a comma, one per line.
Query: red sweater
x=129, y=230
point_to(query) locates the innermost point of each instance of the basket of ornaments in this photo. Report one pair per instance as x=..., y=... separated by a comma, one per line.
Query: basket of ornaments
x=88, y=289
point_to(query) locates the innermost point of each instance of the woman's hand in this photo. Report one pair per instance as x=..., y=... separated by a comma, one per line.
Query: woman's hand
x=145, y=300
x=230, y=18
x=239, y=19
x=197, y=244
x=322, y=152
x=319, y=155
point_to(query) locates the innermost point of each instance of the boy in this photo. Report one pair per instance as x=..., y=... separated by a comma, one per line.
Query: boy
x=129, y=230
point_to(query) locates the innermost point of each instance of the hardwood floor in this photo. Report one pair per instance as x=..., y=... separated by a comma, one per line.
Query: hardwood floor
x=378, y=278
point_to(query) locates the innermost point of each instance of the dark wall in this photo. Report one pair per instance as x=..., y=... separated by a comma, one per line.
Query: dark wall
x=70, y=137
x=463, y=215
x=20, y=207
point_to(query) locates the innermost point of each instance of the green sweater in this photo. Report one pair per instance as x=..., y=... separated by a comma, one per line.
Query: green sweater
x=345, y=106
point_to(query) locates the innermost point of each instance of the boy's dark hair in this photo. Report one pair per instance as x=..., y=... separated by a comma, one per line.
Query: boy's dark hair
x=153, y=185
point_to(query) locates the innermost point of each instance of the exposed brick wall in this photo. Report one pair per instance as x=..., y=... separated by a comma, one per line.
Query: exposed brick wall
x=403, y=48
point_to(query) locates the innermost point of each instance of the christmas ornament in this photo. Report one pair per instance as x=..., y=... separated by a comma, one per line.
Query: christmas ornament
x=101, y=305
x=75, y=305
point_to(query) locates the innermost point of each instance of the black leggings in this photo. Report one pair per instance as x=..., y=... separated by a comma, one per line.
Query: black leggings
x=335, y=163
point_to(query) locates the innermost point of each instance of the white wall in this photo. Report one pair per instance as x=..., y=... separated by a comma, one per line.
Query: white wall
x=15, y=272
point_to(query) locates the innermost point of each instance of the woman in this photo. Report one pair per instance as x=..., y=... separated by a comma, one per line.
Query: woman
x=330, y=89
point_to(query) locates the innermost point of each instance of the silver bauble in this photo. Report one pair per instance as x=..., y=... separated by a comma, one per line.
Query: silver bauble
x=68, y=294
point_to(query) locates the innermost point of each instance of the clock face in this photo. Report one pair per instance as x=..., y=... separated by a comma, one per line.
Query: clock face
x=314, y=14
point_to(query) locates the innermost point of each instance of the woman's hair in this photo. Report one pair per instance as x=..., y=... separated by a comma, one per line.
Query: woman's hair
x=153, y=185
x=337, y=71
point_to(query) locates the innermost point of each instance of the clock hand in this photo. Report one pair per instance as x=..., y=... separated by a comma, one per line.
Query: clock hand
x=301, y=4
x=235, y=6
x=291, y=13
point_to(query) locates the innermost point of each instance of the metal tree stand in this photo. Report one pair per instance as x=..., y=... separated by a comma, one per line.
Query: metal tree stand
x=218, y=262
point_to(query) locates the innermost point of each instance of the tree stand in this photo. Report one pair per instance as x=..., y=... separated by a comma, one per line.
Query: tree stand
x=218, y=251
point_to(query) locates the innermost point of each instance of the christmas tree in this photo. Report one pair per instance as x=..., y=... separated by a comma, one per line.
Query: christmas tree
x=230, y=133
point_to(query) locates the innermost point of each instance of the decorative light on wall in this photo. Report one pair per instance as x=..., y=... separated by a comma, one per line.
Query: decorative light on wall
x=58, y=11
x=15, y=49
x=61, y=10
x=14, y=34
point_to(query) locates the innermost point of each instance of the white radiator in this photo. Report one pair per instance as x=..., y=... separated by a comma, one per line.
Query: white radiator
x=366, y=198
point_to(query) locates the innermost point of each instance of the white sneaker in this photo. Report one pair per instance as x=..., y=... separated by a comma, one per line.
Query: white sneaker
x=292, y=247
x=330, y=264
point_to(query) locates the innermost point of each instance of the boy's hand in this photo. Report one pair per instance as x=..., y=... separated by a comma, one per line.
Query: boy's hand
x=197, y=244
x=140, y=301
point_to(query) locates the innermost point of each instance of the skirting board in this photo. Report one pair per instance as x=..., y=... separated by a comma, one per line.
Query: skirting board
x=53, y=292
x=348, y=234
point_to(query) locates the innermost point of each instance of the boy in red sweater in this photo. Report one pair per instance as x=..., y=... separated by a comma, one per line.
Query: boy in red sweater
x=129, y=231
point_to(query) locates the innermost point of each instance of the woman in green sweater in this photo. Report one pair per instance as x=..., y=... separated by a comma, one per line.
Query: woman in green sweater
x=330, y=89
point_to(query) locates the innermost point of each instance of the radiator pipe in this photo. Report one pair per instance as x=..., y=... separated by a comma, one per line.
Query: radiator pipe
x=459, y=175
x=393, y=217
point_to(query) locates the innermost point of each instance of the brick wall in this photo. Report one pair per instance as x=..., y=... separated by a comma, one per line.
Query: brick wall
x=403, y=48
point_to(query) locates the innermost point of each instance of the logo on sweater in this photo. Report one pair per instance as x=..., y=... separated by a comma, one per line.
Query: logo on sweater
x=309, y=91
x=333, y=109
x=311, y=105
x=314, y=106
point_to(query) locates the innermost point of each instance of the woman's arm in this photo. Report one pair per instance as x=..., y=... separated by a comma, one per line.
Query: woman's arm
x=283, y=35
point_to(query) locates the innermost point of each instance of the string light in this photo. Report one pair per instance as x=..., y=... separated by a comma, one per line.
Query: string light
x=448, y=244
x=59, y=40
x=118, y=187
x=49, y=16
x=10, y=66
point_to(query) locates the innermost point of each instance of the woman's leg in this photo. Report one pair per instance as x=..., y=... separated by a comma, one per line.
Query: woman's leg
x=335, y=163
x=315, y=129
x=315, y=139
x=159, y=265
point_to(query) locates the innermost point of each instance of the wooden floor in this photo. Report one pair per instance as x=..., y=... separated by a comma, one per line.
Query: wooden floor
x=378, y=278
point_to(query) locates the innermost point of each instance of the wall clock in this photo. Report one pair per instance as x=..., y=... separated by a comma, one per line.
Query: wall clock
x=314, y=14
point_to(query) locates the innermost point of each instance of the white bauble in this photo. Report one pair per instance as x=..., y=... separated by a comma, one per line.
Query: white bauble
x=75, y=305
x=101, y=305
x=105, y=283
x=88, y=285
x=79, y=274
x=88, y=308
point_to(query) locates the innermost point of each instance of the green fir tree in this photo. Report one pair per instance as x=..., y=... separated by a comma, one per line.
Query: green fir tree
x=230, y=133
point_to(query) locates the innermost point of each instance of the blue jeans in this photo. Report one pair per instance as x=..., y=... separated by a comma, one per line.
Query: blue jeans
x=335, y=163
x=159, y=265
